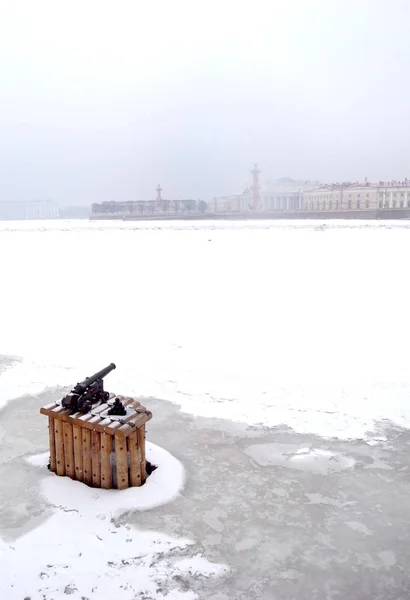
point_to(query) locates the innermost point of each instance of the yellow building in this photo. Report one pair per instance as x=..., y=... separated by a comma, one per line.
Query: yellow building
x=358, y=196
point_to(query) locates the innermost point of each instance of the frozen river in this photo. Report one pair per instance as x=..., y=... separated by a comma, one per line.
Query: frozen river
x=274, y=357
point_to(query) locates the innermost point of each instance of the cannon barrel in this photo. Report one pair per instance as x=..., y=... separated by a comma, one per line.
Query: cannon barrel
x=83, y=385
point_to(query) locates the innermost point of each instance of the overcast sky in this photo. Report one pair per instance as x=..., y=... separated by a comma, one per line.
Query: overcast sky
x=103, y=100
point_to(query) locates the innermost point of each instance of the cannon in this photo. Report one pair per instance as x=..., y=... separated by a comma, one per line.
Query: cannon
x=88, y=392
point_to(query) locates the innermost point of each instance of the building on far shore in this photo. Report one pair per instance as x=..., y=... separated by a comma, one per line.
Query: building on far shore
x=275, y=196
x=358, y=196
x=136, y=209
x=28, y=209
x=283, y=198
x=289, y=198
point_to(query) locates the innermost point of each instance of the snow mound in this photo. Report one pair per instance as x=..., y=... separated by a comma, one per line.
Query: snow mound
x=162, y=486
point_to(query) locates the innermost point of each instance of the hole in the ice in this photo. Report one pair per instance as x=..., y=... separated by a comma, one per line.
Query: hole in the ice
x=150, y=468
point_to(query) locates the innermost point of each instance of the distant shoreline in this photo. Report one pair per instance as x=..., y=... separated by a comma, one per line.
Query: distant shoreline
x=379, y=214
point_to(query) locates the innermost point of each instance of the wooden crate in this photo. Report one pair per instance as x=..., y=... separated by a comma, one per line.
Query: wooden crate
x=97, y=449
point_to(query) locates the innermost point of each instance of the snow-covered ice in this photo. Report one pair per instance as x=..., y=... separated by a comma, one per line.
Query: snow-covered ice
x=81, y=551
x=264, y=323
x=299, y=325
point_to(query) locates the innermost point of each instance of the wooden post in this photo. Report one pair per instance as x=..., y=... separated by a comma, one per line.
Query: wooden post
x=135, y=459
x=69, y=450
x=95, y=458
x=59, y=440
x=88, y=474
x=141, y=445
x=52, y=441
x=121, y=459
x=78, y=457
x=106, y=470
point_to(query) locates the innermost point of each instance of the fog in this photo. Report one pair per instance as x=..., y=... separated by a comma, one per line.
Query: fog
x=103, y=100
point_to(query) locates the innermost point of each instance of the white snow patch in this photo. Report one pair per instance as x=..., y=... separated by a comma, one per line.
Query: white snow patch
x=200, y=566
x=241, y=336
x=80, y=551
x=38, y=460
x=28, y=377
x=360, y=527
x=314, y=460
x=322, y=461
x=316, y=498
x=163, y=485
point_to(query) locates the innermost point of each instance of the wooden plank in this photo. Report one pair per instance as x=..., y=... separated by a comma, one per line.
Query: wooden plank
x=109, y=425
x=141, y=446
x=140, y=420
x=61, y=415
x=95, y=458
x=69, y=450
x=103, y=425
x=91, y=422
x=95, y=421
x=75, y=416
x=53, y=411
x=106, y=471
x=45, y=410
x=101, y=408
x=126, y=430
x=60, y=409
x=85, y=418
x=135, y=459
x=52, y=442
x=59, y=438
x=129, y=401
x=141, y=441
x=94, y=426
x=126, y=402
x=112, y=427
x=49, y=406
x=124, y=399
x=136, y=411
x=121, y=461
x=87, y=468
x=78, y=456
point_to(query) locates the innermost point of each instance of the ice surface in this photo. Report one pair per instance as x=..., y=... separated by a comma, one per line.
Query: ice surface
x=266, y=323
x=27, y=377
x=81, y=551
